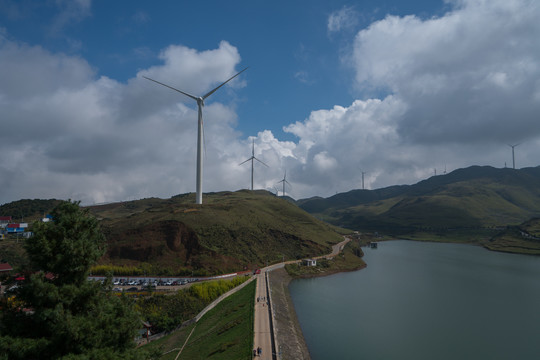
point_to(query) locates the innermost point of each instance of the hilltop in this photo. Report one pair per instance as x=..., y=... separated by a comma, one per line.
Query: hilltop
x=466, y=203
x=231, y=231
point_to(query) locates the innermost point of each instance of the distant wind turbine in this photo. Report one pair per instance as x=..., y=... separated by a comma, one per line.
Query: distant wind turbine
x=284, y=181
x=513, y=158
x=253, y=158
x=200, y=104
x=363, y=173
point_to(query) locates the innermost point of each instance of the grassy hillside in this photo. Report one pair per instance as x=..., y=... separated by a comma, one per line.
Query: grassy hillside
x=229, y=232
x=463, y=200
x=524, y=238
x=27, y=210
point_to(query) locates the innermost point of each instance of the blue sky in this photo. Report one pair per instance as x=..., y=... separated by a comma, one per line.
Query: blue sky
x=400, y=90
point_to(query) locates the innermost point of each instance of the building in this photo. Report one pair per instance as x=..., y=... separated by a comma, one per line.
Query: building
x=5, y=268
x=14, y=228
x=310, y=262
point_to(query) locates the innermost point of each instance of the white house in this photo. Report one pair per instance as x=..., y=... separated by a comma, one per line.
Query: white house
x=310, y=262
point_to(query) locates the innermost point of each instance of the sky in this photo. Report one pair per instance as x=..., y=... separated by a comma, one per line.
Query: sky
x=400, y=91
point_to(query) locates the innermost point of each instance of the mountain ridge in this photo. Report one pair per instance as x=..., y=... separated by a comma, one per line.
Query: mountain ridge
x=473, y=197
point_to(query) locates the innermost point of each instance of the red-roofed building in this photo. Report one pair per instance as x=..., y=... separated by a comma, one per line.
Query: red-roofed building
x=5, y=267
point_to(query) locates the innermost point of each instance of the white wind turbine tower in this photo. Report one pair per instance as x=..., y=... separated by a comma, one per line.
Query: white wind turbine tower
x=253, y=158
x=363, y=173
x=513, y=158
x=200, y=104
x=284, y=181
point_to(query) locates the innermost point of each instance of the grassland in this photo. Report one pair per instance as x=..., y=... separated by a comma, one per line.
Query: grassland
x=468, y=205
x=349, y=259
x=225, y=332
x=522, y=239
x=229, y=232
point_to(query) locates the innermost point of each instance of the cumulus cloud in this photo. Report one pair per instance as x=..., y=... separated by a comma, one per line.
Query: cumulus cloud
x=468, y=76
x=443, y=92
x=456, y=89
x=96, y=139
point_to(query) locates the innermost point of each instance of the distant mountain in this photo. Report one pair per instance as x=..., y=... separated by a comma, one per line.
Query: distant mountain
x=474, y=197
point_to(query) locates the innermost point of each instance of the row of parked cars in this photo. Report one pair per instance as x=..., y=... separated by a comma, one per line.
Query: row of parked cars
x=151, y=282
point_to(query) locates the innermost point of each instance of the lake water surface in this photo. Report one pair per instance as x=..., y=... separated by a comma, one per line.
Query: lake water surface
x=424, y=301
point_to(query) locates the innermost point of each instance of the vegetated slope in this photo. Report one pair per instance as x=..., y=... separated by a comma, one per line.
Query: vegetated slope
x=463, y=199
x=523, y=238
x=27, y=210
x=229, y=232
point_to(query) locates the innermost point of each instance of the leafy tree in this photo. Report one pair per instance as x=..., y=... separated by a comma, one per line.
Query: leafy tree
x=57, y=313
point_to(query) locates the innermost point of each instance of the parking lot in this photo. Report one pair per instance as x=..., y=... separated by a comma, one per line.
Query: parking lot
x=142, y=283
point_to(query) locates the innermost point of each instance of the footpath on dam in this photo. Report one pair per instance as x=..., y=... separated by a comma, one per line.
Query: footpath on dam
x=276, y=328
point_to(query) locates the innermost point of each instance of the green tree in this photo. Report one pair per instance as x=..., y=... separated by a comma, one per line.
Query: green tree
x=57, y=313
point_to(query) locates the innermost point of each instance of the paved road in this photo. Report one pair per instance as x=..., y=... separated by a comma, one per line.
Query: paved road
x=262, y=328
x=262, y=337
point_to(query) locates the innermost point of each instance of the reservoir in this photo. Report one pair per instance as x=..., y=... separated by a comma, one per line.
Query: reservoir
x=420, y=300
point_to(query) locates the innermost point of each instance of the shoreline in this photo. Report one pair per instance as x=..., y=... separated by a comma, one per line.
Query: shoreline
x=288, y=329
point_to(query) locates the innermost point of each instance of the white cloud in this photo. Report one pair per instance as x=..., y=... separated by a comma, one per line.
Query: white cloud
x=342, y=19
x=462, y=75
x=72, y=135
x=456, y=89
x=70, y=11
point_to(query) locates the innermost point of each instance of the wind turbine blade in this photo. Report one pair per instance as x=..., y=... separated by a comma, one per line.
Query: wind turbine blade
x=213, y=91
x=260, y=161
x=170, y=87
x=245, y=161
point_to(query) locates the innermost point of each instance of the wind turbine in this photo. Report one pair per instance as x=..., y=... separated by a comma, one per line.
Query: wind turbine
x=200, y=104
x=513, y=158
x=284, y=181
x=363, y=173
x=253, y=158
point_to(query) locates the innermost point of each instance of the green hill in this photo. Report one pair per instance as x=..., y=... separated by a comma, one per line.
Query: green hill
x=523, y=238
x=27, y=210
x=462, y=201
x=229, y=232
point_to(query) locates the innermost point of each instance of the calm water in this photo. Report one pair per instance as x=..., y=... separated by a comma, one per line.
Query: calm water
x=424, y=301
